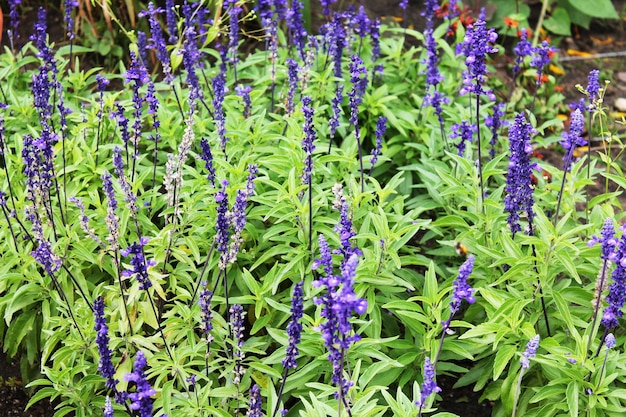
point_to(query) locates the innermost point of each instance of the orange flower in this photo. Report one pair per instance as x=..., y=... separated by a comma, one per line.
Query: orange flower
x=512, y=23
x=543, y=80
x=558, y=88
x=529, y=33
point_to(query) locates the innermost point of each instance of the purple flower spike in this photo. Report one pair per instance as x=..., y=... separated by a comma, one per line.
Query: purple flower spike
x=294, y=328
x=141, y=400
x=531, y=350
x=170, y=19
x=69, y=6
x=105, y=366
x=523, y=49
x=207, y=157
x=617, y=290
x=139, y=263
x=254, y=407
x=606, y=239
x=244, y=92
x=236, y=326
x=14, y=20
x=519, y=190
x=381, y=127
x=292, y=75
x=573, y=138
x=465, y=131
x=309, y=137
x=207, y=315
x=610, y=341
x=593, y=87
x=429, y=386
x=108, y=408
x=475, y=47
x=462, y=290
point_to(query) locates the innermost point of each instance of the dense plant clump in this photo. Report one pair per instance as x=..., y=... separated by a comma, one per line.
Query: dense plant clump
x=211, y=230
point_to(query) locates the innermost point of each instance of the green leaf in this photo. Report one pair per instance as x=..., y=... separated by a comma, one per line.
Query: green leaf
x=503, y=358
x=603, y=9
x=572, y=398
x=559, y=22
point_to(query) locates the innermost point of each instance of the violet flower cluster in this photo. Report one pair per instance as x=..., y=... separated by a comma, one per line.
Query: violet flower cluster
x=461, y=290
x=236, y=326
x=157, y=40
x=530, y=352
x=105, y=366
x=111, y=220
x=617, y=290
x=494, y=122
x=295, y=23
x=219, y=91
x=475, y=47
x=573, y=138
x=519, y=190
x=541, y=58
x=429, y=386
x=237, y=217
x=593, y=85
x=14, y=20
x=141, y=400
x=465, y=132
x=523, y=49
x=294, y=328
x=244, y=92
x=338, y=303
x=206, y=314
x=292, y=76
x=69, y=6
x=139, y=263
x=254, y=405
x=207, y=157
x=607, y=240
x=310, y=135
x=381, y=127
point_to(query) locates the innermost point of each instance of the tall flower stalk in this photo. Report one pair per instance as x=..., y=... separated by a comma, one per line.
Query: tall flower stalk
x=571, y=140
x=358, y=78
x=529, y=353
x=462, y=291
x=475, y=47
x=307, y=145
x=608, y=242
x=294, y=332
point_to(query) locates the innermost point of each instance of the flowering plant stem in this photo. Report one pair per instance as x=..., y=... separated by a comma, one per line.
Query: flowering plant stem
x=597, y=304
x=480, y=164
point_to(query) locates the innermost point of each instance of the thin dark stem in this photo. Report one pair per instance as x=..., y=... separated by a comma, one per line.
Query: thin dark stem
x=310, y=214
x=540, y=288
x=154, y=310
x=64, y=297
x=568, y=159
x=480, y=163
x=357, y=133
x=280, y=391
x=588, y=164
x=7, y=217
x=75, y=281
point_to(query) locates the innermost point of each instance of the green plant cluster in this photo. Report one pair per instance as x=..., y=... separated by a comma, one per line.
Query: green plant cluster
x=415, y=218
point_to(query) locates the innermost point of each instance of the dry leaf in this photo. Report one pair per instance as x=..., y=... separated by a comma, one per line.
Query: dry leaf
x=556, y=70
x=574, y=52
x=602, y=41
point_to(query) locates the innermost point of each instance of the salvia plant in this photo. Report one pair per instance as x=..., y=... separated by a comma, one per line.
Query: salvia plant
x=253, y=216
